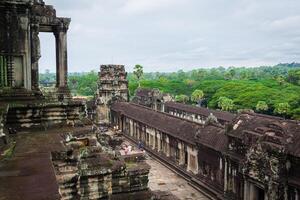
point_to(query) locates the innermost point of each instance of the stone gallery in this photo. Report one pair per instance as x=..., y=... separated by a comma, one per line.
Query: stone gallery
x=54, y=147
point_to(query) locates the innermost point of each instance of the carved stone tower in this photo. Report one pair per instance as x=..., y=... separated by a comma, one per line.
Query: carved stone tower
x=112, y=86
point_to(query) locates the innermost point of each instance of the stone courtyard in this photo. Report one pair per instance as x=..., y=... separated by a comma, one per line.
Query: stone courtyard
x=162, y=178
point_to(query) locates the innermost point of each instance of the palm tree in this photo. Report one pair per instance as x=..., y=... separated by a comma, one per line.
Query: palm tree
x=138, y=72
x=197, y=96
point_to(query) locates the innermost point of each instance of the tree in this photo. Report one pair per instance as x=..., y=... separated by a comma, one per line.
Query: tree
x=181, y=98
x=197, y=96
x=261, y=106
x=280, y=79
x=225, y=104
x=294, y=76
x=138, y=72
x=296, y=114
x=282, y=109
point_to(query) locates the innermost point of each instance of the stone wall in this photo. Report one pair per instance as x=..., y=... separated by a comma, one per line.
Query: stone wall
x=45, y=115
x=3, y=111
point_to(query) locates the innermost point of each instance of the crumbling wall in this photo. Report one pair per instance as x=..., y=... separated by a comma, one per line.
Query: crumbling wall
x=96, y=175
x=91, y=171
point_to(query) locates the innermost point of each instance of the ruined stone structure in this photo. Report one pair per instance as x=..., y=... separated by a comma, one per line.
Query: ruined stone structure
x=151, y=98
x=55, y=153
x=112, y=86
x=21, y=22
x=262, y=158
x=85, y=170
x=255, y=157
x=198, y=114
x=159, y=101
x=44, y=117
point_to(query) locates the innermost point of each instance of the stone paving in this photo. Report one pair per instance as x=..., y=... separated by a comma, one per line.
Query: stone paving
x=162, y=178
x=29, y=174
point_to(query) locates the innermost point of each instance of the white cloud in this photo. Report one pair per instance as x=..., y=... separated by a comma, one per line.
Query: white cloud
x=168, y=35
x=292, y=22
x=144, y=6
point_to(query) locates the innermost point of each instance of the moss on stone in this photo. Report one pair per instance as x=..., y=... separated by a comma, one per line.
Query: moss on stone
x=8, y=153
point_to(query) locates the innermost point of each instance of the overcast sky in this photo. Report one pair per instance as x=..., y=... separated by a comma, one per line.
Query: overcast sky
x=168, y=35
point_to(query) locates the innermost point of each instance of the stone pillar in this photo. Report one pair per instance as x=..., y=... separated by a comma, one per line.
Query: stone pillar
x=180, y=148
x=159, y=142
x=225, y=176
x=167, y=146
x=61, y=59
x=153, y=140
x=131, y=127
x=245, y=190
x=252, y=192
x=35, y=56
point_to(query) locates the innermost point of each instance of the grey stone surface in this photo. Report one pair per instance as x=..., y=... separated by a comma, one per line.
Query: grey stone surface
x=162, y=178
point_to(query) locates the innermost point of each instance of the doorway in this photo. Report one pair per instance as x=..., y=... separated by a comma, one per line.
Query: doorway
x=47, y=62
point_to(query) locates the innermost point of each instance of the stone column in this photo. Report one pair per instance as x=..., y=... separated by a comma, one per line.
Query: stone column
x=61, y=59
x=225, y=176
x=253, y=192
x=159, y=142
x=35, y=56
x=245, y=190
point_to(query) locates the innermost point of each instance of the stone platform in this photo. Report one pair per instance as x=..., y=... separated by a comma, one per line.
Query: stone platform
x=29, y=173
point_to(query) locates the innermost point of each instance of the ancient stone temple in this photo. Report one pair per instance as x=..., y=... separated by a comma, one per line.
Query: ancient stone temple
x=112, y=86
x=152, y=98
x=21, y=21
x=252, y=157
x=49, y=149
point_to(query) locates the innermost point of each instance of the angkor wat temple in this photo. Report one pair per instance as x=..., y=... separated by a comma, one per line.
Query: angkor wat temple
x=51, y=149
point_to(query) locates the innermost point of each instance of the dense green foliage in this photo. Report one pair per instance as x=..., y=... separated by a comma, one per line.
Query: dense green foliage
x=197, y=96
x=225, y=104
x=243, y=88
x=182, y=98
x=261, y=106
